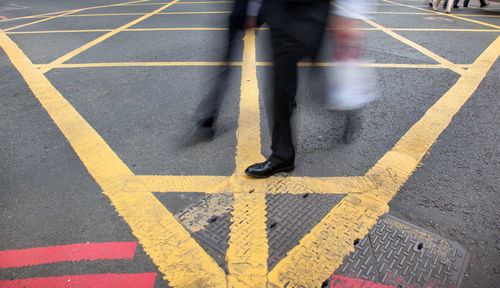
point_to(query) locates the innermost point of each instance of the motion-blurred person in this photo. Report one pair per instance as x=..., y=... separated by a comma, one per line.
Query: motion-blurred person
x=244, y=15
x=483, y=3
x=455, y=4
x=297, y=28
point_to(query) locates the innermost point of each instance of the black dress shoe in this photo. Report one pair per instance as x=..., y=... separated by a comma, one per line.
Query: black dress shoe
x=268, y=168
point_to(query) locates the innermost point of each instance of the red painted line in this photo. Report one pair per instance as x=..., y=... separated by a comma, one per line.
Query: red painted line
x=3, y=18
x=338, y=281
x=142, y=280
x=73, y=252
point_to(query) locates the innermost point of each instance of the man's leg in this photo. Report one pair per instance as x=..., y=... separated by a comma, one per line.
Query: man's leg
x=208, y=109
x=287, y=53
x=285, y=88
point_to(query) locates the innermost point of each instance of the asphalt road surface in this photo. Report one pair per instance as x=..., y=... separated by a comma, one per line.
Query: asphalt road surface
x=101, y=107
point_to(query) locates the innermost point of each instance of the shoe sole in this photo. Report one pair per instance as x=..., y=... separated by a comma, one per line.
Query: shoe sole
x=284, y=169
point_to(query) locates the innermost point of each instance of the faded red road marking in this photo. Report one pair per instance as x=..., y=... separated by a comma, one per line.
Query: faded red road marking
x=142, y=280
x=73, y=252
x=346, y=282
x=3, y=18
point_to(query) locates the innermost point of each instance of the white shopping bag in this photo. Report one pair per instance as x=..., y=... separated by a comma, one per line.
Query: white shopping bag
x=351, y=85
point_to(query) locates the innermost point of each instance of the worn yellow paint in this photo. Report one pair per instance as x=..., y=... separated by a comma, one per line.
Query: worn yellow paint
x=79, y=50
x=327, y=185
x=137, y=64
x=321, y=251
x=248, y=248
x=177, y=255
x=168, y=183
x=170, y=246
x=67, y=13
x=445, y=14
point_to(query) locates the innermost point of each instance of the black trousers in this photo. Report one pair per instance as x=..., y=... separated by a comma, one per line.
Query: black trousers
x=208, y=109
x=297, y=28
x=286, y=53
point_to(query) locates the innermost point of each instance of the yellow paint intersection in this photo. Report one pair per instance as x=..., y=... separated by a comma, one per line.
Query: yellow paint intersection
x=178, y=256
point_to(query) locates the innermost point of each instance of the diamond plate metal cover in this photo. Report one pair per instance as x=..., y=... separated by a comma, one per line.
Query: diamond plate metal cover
x=401, y=254
x=289, y=218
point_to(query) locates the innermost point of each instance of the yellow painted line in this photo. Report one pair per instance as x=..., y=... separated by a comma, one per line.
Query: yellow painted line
x=104, y=14
x=170, y=246
x=418, y=47
x=322, y=250
x=177, y=255
x=473, y=21
x=101, y=162
x=332, y=185
x=207, y=2
x=79, y=50
x=248, y=149
x=248, y=245
x=242, y=184
x=303, y=64
x=33, y=16
x=178, y=29
x=146, y=4
x=195, y=183
x=38, y=21
x=400, y=13
x=412, y=44
x=201, y=12
x=58, y=31
x=394, y=168
x=67, y=13
x=224, y=29
x=137, y=64
x=444, y=30
x=476, y=15
x=445, y=14
x=373, y=65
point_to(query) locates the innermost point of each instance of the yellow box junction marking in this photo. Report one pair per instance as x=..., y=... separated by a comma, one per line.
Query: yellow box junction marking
x=183, y=262
x=79, y=50
x=68, y=13
x=444, y=14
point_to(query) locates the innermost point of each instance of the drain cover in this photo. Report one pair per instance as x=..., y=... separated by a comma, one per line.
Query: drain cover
x=401, y=254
